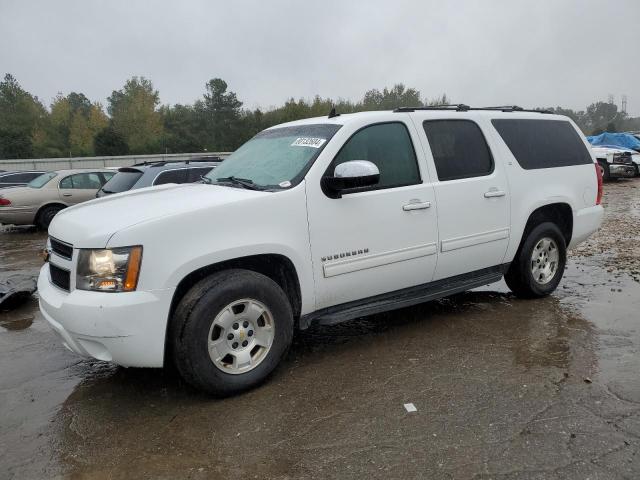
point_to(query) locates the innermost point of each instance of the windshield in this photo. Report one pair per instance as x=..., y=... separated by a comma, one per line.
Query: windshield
x=41, y=180
x=276, y=158
x=121, y=182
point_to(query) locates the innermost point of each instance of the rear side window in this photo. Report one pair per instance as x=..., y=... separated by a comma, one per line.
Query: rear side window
x=122, y=181
x=459, y=149
x=82, y=181
x=389, y=146
x=543, y=143
x=171, y=176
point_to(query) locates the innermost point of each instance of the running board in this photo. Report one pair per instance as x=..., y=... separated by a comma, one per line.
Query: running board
x=405, y=297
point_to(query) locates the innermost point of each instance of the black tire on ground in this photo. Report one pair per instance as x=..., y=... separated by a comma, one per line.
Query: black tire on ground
x=606, y=175
x=520, y=277
x=193, y=318
x=637, y=169
x=46, y=215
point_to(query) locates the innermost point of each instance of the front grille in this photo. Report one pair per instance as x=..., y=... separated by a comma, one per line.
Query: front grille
x=59, y=277
x=60, y=248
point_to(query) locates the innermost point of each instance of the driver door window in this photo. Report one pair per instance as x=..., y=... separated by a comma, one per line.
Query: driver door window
x=389, y=147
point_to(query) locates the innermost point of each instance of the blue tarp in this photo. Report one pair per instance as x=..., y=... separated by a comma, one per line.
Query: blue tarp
x=618, y=139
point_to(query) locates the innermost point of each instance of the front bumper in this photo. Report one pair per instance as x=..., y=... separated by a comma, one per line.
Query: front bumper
x=619, y=170
x=126, y=328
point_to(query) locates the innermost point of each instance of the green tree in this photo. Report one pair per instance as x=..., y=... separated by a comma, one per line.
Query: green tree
x=220, y=112
x=84, y=127
x=184, y=129
x=135, y=117
x=23, y=121
x=110, y=142
x=439, y=100
x=74, y=123
x=388, y=99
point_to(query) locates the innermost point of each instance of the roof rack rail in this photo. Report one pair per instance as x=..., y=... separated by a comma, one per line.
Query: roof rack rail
x=160, y=163
x=461, y=107
x=458, y=107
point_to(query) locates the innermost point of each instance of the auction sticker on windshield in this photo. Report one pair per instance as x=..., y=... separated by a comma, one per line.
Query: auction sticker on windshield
x=309, y=142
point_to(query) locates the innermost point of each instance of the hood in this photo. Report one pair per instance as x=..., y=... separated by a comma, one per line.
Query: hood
x=91, y=224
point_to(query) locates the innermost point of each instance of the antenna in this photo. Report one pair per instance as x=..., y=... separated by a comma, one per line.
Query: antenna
x=623, y=109
x=333, y=113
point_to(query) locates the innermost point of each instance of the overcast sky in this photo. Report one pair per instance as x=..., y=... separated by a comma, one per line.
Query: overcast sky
x=529, y=53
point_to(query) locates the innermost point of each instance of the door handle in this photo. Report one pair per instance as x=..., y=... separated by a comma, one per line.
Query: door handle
x=494, y=192
x=66, y=194
x=416, y=206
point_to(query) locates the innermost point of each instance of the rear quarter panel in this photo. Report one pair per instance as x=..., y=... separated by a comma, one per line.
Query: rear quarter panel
x=575, y=185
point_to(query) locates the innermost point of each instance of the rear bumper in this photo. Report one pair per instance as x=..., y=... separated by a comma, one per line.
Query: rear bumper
x=621, y=170
x=17, y=216
x=586, y=222
x=124, y=328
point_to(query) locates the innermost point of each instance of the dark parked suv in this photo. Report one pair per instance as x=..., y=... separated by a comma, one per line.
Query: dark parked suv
x=17, y=179
x=158, y=173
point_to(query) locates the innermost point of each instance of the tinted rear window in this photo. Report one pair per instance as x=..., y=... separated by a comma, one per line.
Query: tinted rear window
x=171, y=176
x=121, y=182
x=543, y=143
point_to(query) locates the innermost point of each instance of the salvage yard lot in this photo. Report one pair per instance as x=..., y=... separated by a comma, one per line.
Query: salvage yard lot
x=503, y=388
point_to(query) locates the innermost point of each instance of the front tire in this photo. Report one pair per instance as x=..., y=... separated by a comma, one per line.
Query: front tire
x=539, y=264
x=230, y=331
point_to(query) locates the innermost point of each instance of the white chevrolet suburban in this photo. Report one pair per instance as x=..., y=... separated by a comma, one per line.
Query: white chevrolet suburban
x=319, y=220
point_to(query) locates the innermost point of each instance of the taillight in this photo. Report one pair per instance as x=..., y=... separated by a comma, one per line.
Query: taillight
x=599, y=175
x=5, y=201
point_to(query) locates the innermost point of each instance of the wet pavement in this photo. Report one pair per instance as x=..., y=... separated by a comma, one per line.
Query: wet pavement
x=504, y=388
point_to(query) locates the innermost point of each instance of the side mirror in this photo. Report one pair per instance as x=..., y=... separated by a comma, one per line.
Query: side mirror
x=351, y=175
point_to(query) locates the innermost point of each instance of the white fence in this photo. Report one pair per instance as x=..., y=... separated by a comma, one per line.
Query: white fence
x=98, y=162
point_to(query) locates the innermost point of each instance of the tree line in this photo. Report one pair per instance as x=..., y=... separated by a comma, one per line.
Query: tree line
x=135, y=122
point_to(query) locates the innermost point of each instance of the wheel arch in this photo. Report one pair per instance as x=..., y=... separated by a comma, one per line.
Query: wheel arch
x=277, y=267
x=46, y=205
x=559, y=213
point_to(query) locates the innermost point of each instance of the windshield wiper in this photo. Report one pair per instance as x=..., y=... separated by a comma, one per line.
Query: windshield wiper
x=204, y=179
x=241, y=182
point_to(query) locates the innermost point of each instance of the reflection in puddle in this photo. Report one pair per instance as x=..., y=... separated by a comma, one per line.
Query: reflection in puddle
x=21, y=317
x=456, y=359
x=16, y=323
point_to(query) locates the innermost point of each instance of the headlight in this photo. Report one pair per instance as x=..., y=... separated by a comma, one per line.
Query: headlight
x=109, y=270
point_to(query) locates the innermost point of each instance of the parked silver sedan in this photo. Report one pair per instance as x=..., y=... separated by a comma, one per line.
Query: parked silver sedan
x=42, y=198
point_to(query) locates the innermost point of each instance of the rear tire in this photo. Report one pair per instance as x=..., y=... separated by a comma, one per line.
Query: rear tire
x=230, y=331
x=539, y=263
x=604, y=168
x=636, y=167
x=45, y=216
